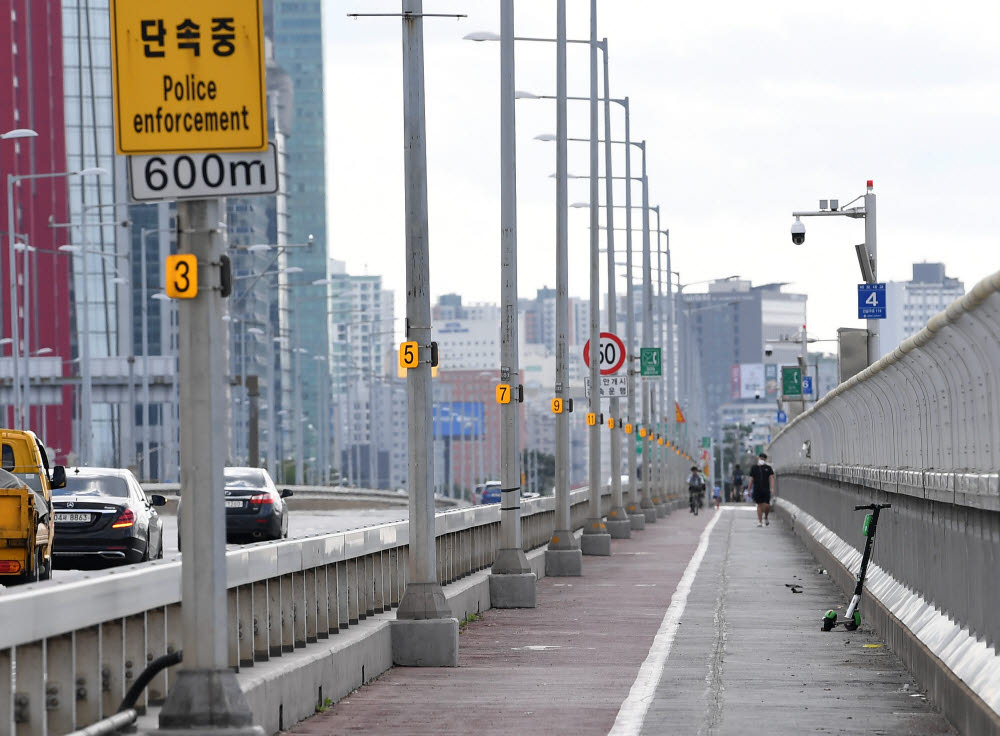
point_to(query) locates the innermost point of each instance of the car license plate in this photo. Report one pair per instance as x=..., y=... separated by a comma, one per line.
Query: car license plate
x=234, y=504
x=67, y=516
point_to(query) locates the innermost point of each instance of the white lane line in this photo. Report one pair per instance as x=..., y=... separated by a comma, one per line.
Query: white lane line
x=632, y=714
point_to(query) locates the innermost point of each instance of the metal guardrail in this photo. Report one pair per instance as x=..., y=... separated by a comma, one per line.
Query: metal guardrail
x=69, y=651
x=931, y=406
x=921, y=429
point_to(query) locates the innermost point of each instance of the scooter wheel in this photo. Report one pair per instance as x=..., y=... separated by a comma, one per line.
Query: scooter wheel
x=854, y=622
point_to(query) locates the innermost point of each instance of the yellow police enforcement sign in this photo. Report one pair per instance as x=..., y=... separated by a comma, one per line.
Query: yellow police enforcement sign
x=182, y=276
x=188, y=76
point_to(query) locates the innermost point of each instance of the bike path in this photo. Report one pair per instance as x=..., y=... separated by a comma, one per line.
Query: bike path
x=687, y=628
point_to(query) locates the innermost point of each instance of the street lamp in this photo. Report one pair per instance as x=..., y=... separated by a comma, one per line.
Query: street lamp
x=867, y=252
x=13, y=179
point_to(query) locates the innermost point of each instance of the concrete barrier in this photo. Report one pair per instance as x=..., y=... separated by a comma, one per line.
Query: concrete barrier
x=919, y=429
x=69, y=651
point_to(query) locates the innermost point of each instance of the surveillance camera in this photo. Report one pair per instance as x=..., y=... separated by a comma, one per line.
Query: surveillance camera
x=798, y=232
x=757, y=396
x=768, y=350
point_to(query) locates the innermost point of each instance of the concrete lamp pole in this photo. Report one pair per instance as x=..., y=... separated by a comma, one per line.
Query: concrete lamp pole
x=425, y=633
x=206, y=694
x=867, y=251
x=617, y=512
x=512, y=583
x=12, y=135
x=639, y=510
x=595, y=539
x=563, y=556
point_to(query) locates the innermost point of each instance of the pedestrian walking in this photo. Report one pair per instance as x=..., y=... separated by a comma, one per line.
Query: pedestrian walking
x=717, y=496
x=762, y=488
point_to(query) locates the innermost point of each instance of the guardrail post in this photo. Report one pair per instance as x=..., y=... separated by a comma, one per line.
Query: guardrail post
x=156, y=646
x=60, y=684
x=112, y=687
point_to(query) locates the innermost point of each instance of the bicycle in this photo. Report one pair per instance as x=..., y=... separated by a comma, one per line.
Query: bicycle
x=695, y=500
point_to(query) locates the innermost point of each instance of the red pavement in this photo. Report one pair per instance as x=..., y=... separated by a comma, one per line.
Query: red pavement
x=563, y=667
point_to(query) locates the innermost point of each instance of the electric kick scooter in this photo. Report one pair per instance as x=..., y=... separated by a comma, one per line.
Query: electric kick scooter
x=852, y=620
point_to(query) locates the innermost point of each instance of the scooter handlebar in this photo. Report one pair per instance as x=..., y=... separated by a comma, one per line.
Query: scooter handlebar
x=874, y=506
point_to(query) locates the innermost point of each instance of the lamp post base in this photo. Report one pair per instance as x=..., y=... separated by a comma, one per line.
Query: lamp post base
x=621, y=528
x=513, y=590
x=562, y=563
x=636, y=518
x=425, y=642
x=206, y=701
x=596, y=544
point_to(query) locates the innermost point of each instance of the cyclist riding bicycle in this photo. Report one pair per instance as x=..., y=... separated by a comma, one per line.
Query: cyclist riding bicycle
x=696, y=490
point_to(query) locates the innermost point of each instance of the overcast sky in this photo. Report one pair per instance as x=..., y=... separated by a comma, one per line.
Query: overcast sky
x=750, y=110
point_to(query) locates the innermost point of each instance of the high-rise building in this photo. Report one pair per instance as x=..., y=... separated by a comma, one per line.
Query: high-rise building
x=31, y=75
x=910, y=304
x=296, y=29
x=721, y=339
x=360, y=325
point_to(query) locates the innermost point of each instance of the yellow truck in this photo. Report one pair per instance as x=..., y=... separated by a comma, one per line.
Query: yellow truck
x=26, y=528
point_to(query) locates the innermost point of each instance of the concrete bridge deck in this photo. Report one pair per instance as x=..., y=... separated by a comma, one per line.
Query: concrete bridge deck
x=690, y=627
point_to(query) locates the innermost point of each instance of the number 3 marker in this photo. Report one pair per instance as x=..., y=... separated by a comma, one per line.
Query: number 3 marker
x=182, y=276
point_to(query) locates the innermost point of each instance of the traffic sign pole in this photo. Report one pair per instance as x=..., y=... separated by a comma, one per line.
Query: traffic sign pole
x=872, y=246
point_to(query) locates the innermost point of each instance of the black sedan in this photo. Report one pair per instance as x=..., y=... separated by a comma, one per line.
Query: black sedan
x=102, y=517
x=255, y=510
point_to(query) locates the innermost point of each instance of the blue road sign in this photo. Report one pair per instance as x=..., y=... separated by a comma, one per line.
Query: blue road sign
x=871, y=301
x=781, y=418
x=807, y=385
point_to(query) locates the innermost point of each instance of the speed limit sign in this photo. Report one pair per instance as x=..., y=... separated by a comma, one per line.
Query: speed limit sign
x=611, y=353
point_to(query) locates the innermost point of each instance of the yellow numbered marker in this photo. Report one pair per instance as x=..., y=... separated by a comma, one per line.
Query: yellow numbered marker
x=557, y=406
x=611, y=422
x=660, y=440
x=408, y=354
x=503, y=393
x=628, y=429
x=591, y=419
x=182, y=276
x=642, y=431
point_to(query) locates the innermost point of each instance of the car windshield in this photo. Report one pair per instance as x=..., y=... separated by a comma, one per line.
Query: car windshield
x=244, y=478
x=81, y=485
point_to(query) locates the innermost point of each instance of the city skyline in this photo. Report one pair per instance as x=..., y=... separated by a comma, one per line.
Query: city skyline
x=750, y=113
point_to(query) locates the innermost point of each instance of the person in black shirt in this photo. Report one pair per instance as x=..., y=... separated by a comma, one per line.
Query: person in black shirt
x=761, y=488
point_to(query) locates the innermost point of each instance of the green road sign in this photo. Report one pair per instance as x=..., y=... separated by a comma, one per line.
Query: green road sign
x=757, y=449
x=706, y=443
x=791, y=380
x=649, y=362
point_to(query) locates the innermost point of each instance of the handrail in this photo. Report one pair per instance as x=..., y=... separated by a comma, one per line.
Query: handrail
x=942, y=383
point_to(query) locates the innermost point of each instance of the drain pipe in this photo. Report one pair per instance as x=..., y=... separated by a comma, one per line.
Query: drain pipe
x=127, y=714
